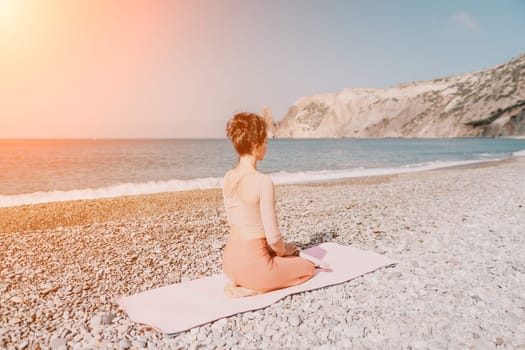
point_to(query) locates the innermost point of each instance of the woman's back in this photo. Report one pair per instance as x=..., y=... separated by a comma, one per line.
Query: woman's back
x=242, y=193
x=250, y=205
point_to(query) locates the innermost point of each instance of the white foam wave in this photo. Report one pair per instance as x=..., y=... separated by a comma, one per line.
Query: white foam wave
x=125, y=189
x=486, y=155
x=216, y=182
x=329, y=175
x=519, y=153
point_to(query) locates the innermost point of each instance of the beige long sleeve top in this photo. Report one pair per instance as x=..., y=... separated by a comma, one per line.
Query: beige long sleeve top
x=250, y=206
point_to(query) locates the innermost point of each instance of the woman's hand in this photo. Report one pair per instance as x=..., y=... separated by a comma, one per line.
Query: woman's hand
x=290, y=249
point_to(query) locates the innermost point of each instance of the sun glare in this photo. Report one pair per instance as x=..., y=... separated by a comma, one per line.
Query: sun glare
x=6, y=8
x=9, y=15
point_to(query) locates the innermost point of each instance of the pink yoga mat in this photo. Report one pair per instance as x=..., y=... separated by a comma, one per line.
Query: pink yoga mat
x=181, y=306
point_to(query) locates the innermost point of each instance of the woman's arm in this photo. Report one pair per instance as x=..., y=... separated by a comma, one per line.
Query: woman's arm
x=269, y=218
x=224, y=184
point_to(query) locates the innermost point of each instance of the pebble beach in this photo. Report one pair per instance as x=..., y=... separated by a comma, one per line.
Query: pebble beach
x=458, y=235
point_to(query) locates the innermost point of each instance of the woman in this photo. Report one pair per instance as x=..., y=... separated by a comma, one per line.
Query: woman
x=256, y=259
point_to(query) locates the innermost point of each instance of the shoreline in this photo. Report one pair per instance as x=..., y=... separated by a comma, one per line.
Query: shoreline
x=457, y=234
x=69, y=213
x=149, y=187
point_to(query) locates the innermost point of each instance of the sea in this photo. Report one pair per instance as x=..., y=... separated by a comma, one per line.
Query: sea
x=45, y=170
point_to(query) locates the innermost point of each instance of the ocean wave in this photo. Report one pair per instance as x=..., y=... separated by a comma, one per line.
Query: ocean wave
x=126, y=189
x=519, y=153
x=329, y=175
x=488, y=155
x=175, y=185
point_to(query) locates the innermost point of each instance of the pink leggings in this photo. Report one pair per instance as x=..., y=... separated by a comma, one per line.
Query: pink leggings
x=249, y=264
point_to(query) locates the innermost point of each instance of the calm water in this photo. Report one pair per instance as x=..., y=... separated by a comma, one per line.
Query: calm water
x=33, y=171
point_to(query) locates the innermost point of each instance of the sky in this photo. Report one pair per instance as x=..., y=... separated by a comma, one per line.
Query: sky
x=182, y=68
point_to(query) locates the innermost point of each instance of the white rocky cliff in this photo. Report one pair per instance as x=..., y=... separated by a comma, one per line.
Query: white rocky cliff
x=487, y=103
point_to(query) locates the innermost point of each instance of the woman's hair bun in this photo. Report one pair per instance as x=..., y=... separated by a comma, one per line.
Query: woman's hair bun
x=246, y=131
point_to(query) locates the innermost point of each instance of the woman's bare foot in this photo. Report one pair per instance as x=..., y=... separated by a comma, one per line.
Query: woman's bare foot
x=235, y=291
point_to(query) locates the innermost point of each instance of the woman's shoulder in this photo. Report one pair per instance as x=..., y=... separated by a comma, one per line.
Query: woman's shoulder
x=265, y=179
x=228, y=173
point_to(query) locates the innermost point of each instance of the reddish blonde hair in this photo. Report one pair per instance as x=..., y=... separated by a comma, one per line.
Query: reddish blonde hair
x=246, y=131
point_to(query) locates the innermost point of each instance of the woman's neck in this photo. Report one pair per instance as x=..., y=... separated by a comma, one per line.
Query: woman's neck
x=247, y=163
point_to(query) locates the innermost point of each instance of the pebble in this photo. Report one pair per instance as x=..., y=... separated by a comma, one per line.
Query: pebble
x=123, y=329
x=294, y=320
x=58, y=343
x=95, y=321
x=138, y=343
x=512, y=319
x=217, y=245
x=23, y=345
x=124, y=344
x=16, y=299
x=394, y=275
x=419, y=345
x=353, y=332
x=107, y=319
